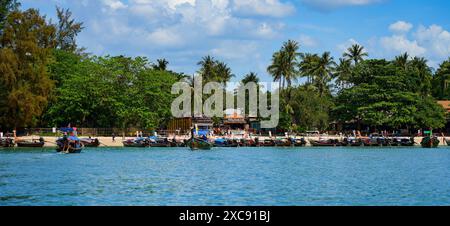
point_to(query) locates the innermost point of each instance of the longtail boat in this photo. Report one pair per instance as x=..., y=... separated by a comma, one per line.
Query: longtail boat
x=7, y=142
x=430, y=142
x=136, y=143
x=376, y=140
x=228, y=143
x=325, y=143
x=407, y=142
x=89, y=142
x=69, y=144
x=199, y=144
x=159, y=142
x=298, y=142
x=284, y=142
x=352, y=141
x=447, y=141
x=34, y=143
x=269, y=143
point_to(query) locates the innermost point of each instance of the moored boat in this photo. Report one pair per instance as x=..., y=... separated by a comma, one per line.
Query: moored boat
x=376, y=140
x=227, y=143
x=34, y=143
x=298, y=142
x=159, y=142
x=447, y=141
x=89, y=142
x=352, y=141
x=69, y=143
x=284, y=142
x=430, y=142
x=7, y=142
x=199, y=144
x=407, y=142
x=268, y=143
x=136, y=143
x=325, y=143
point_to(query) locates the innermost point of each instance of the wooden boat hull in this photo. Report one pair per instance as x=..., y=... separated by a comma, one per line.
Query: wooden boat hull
x=91, y=143
x=161, y=145
x=447, y=141
x=135, y=145
x=197, y=144
x=30, y=145
x=7, y=143
x=70, y=150
x=430, y=142
x=330, y=143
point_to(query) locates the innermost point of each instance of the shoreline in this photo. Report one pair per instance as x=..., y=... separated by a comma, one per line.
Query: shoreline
x=107, y=141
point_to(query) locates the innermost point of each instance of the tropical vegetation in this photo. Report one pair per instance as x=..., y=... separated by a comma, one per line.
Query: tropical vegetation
x=46, y=79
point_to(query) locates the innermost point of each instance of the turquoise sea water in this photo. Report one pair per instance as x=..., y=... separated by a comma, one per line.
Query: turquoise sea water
x=239, y=176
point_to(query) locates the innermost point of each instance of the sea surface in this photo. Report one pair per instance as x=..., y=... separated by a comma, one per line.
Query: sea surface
x=226, y=176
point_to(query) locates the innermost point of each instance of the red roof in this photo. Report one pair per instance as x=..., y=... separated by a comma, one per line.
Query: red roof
x=445, y=104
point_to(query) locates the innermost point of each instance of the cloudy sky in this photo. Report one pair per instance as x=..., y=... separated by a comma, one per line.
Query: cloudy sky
x=245, y=33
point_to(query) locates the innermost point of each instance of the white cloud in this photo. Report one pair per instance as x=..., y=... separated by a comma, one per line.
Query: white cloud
x=435, y=38
x=400, y=27
x=114, y=4
x=432, y=42
x=308, y=41
x=273, y=8
x=333, y=4
x=397, y=44
x=344, y=46
x=164, y=37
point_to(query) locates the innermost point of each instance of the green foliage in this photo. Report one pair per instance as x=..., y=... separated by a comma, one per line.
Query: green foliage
x=110, y=92
x=284, y=64
x=441, y=81
x=304, y=108
x=355, y=53
x=67, y=30
x=213, y=70
x=26, y=41
x=389, y=95
x=6, y=7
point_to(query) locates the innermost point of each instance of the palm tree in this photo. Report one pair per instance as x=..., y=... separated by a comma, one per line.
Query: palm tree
x=307, y=65
x=161, y=64
x=355, y=53
x=284, y=63
x=343, y=72
x=420, y=65
x=223, y=73
x=323, y=73
x=207, y=69
x=276, y=68
x=250, y=77
x=402, y=61
x=290, y=50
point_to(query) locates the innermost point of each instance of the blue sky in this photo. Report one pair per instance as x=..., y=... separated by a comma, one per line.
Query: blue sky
x=245, y=33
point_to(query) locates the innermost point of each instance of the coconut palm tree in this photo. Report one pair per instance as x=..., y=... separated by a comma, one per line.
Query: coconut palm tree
x=250, y=77
x=223, y=73
x=276, y=68
x=290, y=55
x=207, y=69
x=307, y=65
x=355, y=53
x=402, y=61
x=343, y=72
x=161, y=64
x=420, y=65
x=323, y=73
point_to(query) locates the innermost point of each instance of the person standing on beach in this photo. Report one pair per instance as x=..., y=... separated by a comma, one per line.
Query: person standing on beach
x=113, y=137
